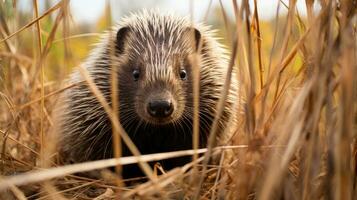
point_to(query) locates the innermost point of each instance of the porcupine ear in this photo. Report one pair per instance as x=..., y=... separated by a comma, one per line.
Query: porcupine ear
x=120, y=39
x=195, y=34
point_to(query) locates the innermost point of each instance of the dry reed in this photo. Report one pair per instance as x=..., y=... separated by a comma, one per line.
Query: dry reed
x=296, y=137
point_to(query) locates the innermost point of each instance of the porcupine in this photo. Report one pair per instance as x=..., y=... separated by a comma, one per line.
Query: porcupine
x=152, y=54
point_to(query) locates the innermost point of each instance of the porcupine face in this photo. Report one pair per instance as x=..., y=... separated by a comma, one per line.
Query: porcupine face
x=156, y=71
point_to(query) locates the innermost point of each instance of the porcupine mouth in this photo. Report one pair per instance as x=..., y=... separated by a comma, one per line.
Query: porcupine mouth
x=160, y=122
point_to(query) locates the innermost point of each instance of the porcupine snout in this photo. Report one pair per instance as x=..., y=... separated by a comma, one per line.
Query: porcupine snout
x=160, y=105
x=160, y=108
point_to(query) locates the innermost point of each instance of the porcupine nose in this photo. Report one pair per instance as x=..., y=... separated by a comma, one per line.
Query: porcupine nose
x=160, y=108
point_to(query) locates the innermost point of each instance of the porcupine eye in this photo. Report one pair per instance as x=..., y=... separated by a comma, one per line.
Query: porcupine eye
x=136, y=74
x=183, y=74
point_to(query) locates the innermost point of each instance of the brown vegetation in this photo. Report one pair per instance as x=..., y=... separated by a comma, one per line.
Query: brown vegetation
x=297, y=137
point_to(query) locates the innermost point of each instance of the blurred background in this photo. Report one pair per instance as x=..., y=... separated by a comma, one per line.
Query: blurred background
x=89, y=18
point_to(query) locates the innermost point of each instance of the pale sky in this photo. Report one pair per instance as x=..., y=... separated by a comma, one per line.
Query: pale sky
x=89, y=10
x=266, y=8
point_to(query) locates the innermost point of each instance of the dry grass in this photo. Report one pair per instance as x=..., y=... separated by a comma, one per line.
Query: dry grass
x=297, y=137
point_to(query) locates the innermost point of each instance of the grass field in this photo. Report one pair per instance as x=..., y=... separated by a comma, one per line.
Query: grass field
x=296, y=137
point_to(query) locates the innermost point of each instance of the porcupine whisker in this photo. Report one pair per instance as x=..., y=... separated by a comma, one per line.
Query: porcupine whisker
x=136, y=128
x=184, y=123
x=98, y=137
x=106, y=146
x=127, y=118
